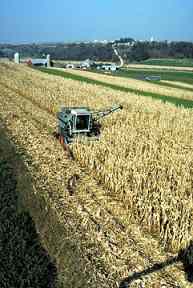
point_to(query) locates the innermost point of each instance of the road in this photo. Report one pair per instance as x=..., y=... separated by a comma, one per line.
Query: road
x=119, y=56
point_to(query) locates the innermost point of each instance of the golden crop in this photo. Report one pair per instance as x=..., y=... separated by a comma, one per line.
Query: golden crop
x=140, y=171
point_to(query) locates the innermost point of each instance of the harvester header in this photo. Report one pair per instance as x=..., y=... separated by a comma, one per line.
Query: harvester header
x=80, y=121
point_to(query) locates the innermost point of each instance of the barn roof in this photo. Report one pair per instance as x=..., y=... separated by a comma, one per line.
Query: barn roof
x=39, y=61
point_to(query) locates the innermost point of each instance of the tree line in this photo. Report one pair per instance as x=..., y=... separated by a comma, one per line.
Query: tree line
x=129, y=49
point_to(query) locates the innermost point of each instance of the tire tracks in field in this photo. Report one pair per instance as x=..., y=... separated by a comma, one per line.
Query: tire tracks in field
x=114, y=221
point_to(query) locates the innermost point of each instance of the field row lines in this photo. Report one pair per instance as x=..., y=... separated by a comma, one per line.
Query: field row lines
x=28, y=101
x=186, y=103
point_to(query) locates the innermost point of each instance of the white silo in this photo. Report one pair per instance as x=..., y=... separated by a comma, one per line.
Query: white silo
x=17, y=58
x=152, y=39
x=48, y=61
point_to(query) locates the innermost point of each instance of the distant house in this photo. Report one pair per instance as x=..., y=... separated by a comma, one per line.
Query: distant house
x=81, y=65
x=70, y=65
x=86, y=64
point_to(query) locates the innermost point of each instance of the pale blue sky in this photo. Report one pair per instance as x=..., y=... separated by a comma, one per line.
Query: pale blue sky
x=74, y=20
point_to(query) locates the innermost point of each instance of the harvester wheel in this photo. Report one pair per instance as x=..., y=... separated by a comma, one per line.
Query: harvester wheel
x=62, y=140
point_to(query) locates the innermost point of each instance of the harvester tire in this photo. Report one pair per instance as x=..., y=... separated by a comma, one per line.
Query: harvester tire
x=62, y=140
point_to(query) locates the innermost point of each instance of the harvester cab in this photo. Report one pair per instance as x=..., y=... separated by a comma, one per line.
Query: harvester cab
x=75, y=122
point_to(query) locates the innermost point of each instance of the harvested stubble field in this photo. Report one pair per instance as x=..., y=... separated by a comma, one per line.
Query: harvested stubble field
x=131, y=204
x=160, y=67
x=172, y=62
x=180, y=84
x=139, y=85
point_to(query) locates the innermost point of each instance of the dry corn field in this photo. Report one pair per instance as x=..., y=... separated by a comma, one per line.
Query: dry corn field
x=132, y=203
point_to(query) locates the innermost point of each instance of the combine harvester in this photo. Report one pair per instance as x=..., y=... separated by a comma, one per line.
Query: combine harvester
x=80, y=122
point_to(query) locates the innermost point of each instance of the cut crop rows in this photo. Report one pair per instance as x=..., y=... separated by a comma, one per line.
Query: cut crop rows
x=143, y=161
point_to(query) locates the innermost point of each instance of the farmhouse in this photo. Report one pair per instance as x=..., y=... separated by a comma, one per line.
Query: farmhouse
x=87, y=64
x=82, y=65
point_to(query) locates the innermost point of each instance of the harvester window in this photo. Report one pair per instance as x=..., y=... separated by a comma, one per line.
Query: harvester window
x=82, y=122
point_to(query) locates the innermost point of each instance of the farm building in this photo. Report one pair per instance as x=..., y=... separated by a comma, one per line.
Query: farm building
x=82, y=65
x=40, y=62
x=17, y=58
x=70, y=65
x=87, y=64
x=108, y=67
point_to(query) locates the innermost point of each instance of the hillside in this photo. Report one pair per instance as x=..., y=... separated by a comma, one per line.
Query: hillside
x=146, y=52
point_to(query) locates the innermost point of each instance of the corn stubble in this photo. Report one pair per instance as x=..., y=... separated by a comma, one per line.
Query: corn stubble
x=138, y=84
x=140, y=170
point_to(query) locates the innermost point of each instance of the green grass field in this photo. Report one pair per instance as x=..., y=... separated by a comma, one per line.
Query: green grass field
x=174, y=100
x=140, y=74
x=169, y=62
x=180, y=76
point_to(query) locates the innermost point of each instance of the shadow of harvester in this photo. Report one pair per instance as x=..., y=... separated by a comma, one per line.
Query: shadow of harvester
x=185, y=256
x=23, y=260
